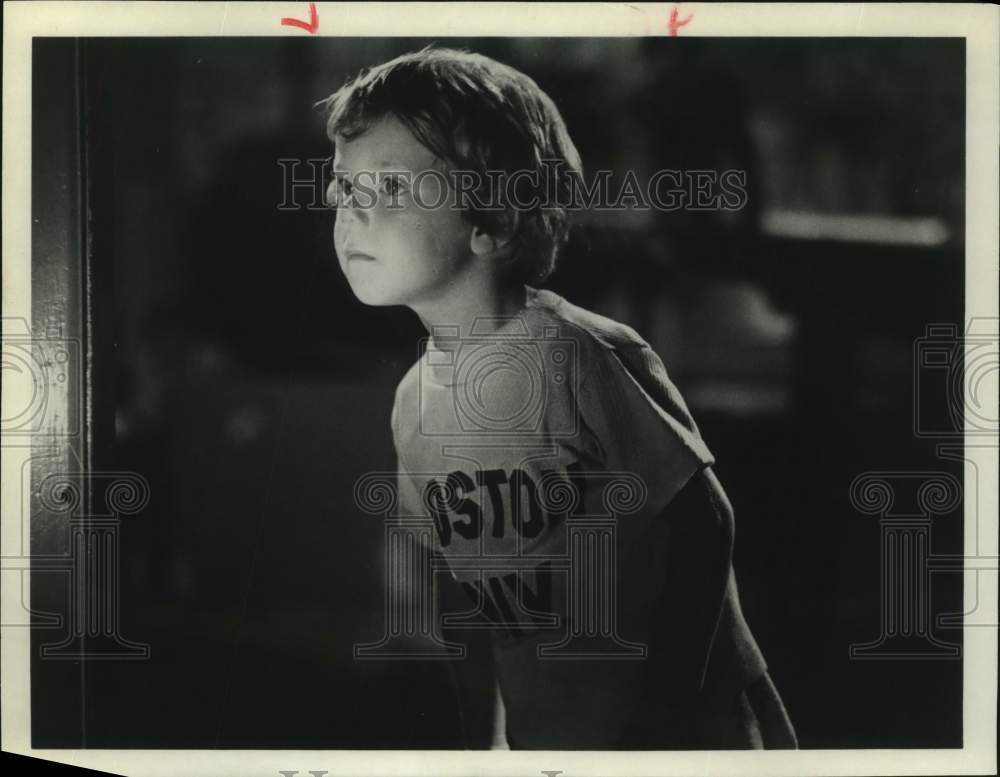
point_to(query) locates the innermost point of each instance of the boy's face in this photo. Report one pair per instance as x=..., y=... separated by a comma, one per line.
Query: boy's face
x=406, y=254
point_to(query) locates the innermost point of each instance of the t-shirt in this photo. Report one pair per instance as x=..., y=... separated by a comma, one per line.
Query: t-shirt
x=545, y=449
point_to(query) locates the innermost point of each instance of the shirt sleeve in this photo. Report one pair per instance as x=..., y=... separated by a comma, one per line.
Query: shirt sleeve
x=638, y=422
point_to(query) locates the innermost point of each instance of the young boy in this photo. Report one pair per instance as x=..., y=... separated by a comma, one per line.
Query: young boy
x=571, y=494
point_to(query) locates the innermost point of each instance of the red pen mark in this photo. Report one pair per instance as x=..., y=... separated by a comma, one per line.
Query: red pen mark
x=675, y=23
x=310, y=26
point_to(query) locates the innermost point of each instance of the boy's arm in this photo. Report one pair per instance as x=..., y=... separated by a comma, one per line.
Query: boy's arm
x=680, y=545
x=696, y=568
x=693, y=540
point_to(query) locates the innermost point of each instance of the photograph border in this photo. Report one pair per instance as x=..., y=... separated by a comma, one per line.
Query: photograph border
x=978, y=24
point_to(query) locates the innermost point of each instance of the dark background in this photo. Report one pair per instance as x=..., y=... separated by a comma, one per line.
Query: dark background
x=237, y=373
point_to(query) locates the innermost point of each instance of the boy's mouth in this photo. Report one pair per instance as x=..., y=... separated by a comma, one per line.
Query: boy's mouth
x=361, y=257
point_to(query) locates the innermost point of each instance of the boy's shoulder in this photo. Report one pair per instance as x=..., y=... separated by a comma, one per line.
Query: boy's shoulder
x=549, y=318
x=587, y=328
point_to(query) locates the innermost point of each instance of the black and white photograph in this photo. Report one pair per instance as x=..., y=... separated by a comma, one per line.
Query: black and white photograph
x=391, y=388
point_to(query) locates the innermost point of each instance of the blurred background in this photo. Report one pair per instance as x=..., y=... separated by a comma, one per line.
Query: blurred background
x=235, y=370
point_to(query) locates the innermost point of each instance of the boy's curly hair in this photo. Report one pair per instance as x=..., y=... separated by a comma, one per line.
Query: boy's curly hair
x=480, y=115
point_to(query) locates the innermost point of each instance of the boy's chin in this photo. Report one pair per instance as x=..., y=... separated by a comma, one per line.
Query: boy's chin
x=375, y=297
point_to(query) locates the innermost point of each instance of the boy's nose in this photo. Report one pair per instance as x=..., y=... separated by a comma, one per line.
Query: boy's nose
x=348, y=211
x=345, y=204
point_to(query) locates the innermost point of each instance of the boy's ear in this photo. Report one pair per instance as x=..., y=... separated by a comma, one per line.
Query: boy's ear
x=485, y=243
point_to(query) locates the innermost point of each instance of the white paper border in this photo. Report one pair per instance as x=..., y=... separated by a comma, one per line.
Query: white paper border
x=978, y=24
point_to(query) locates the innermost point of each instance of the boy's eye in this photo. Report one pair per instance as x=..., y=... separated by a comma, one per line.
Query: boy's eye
x=392, y=185
x=338, y=191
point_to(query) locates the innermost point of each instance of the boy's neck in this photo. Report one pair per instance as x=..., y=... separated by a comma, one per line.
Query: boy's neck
x=484, y=306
